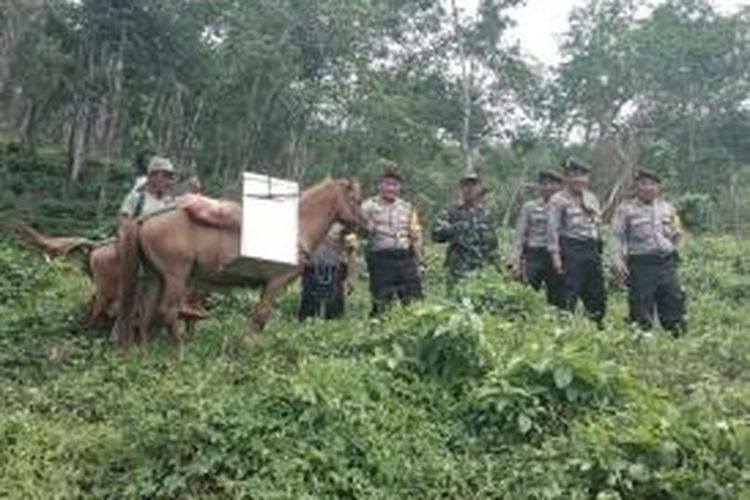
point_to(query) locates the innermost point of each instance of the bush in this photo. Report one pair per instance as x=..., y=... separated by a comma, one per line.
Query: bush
x=696, y=211
x=486, y=393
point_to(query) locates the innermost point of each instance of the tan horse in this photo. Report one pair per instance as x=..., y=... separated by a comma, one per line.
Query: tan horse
x=179, y=248
x=102, y=265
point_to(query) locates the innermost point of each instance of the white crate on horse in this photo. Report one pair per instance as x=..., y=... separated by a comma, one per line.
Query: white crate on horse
x=270, y=218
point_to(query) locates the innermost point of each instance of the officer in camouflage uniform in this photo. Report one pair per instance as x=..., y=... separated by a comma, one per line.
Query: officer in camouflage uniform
x=532, y=260
x=468, y=230
x=394, y=250
x=646, y=231
x=574, y=242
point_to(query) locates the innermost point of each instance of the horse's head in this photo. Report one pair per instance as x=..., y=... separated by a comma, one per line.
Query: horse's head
x=348, y=202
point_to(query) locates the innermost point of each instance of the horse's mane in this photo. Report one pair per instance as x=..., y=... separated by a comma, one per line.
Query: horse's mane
x=316, y=189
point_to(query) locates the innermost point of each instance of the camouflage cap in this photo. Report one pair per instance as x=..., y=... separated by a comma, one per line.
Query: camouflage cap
x=574, y=164
x=642, y=173
x=160, y=164
x=470, y=175
x=391, y=171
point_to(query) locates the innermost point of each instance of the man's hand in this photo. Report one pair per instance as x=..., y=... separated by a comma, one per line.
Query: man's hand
x=349, y=284
x=620, y=269
x=421, y=269
x=557, y=264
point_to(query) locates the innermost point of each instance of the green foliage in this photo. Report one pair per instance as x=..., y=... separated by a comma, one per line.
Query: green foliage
x=488, y=292
x=36, y=190
x=454, y=397
x=443, y=343
x=542, y=389
x=696, y=210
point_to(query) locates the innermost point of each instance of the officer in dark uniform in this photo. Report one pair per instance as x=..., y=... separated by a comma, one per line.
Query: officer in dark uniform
x=468, y=229
x=646, y=231
x=328, y=277
x=532, y=261
x=574, y=241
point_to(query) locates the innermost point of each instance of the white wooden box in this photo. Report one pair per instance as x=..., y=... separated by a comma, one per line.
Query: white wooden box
x=270, y=215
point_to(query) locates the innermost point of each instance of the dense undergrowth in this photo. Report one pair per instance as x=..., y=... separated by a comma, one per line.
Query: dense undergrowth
x=484, y=394
x=488, y=395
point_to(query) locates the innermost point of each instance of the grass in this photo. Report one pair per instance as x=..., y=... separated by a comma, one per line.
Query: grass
x=489, y=395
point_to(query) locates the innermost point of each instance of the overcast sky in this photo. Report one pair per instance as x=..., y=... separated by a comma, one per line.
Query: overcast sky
x=540, y=22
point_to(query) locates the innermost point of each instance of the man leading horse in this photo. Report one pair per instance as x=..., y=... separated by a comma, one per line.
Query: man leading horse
x=200, y=238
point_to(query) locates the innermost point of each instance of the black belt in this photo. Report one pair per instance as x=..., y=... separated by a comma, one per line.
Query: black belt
x=587, y=244
x=536, y=251
x=652, y=259
x=394, y=253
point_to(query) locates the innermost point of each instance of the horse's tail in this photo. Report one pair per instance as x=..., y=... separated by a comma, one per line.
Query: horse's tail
x=52, y=246
x=128, y=248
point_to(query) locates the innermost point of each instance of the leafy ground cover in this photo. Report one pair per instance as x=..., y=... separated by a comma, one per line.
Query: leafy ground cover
x=485, y=394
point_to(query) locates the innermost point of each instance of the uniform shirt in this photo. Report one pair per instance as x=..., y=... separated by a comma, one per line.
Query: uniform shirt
x=140, y=182
x=642, y=228
x=140, y=202
x=392, y=226
x=531, y=229
x=332, y=251
x=571, y=217
x=470, y=234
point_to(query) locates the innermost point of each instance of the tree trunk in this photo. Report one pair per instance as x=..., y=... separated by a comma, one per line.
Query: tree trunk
x=27, y=123
x=115, y=99
x=465, y=80
x=80, y=130
x=79, y=138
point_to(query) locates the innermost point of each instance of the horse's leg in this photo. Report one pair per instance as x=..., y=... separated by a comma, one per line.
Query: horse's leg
x=189, y=327
x=87, y=319
x=272, y=290
x=97, y=306
x=154, y=290
x=175, y=284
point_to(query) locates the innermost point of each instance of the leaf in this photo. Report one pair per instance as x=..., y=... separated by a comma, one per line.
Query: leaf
x=563, y=377
x=524, y=423
x=639, y=472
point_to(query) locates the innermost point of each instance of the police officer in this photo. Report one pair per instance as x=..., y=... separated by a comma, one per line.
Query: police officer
x=327, y=278
x=532, y=261
x=394, y=244
x=646, y=231
x=574, y=241
x=468, y=230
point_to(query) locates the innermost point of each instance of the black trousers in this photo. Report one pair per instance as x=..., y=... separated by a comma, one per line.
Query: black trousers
x=538, y=271
x=583, y=277
x=654, y=285
x=393, y=273
x=323, y=291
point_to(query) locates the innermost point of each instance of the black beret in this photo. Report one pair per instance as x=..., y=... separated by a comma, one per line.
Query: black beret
x=574, y=164
x=642, y=173
x=549, y=175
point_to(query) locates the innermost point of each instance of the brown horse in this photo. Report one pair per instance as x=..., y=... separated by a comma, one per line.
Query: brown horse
x=102, y=265
x=180, y=248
